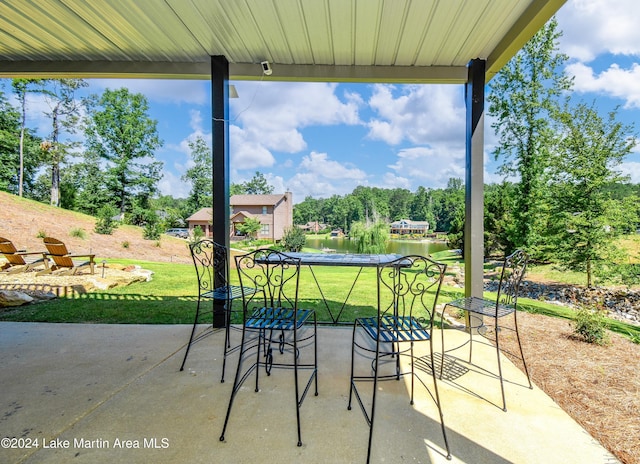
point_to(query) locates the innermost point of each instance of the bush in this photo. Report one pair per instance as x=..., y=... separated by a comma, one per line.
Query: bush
x=41, y=233
x=591, y=326
x=293, y=239
x=152, y=231
x=78, y=232
x=197, y=234
x=105, y=223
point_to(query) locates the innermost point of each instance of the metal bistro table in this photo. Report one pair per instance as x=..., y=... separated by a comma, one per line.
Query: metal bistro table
x=341, y=259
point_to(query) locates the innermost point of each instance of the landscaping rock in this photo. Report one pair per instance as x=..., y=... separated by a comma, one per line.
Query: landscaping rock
x=10, y=298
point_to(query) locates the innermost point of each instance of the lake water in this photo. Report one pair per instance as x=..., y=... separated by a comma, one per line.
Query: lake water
x=401, y=247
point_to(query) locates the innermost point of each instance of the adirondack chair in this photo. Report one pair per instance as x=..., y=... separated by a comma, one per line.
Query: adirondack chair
x=63, y=261
x=20, y=260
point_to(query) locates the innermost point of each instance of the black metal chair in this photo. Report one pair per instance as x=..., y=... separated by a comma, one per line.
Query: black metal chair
x=212, y=267
x=271, y=317
x=407, y=290
x=476, y=309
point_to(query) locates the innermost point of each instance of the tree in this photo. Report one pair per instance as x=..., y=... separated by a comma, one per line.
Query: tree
x=13, y=166
x=293, y=239
x=249, y=227
x=370, y=238
x=121, y=133
x=523, y=97
x=21, y=88
x=65, y=111
x=400, y=204
x=422, y=206
x=200, y=175
x=585, y=218
x=498, y=218
x=92, y=192
x=258, y=185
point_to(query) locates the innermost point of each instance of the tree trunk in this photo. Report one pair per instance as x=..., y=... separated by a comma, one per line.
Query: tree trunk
x=21, y=176
x=55, y=162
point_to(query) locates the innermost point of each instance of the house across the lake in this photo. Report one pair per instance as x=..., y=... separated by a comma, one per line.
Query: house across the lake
x=406, y=226
x=275, y=213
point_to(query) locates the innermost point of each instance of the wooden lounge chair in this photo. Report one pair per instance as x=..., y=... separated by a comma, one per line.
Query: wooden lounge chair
x=20, y=260
x=63, y=262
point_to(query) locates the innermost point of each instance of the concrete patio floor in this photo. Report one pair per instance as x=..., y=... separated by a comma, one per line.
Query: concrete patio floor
x=88, y=392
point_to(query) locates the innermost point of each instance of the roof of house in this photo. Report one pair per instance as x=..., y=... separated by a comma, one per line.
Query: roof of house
x=244, y=214
x=408, y=222
x=255, y=200
x=205, y=214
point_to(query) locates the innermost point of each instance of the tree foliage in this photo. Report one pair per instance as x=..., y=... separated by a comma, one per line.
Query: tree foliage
x=119, y=130
x=199, y=175
x=10, y=148
x=523, y=97
x=585, y=217
x=370, y=238
x=257, y=185
x=249, y=227
x=64, y=114
x=293, y=239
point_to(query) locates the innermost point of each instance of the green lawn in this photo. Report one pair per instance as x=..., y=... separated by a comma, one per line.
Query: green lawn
x=170, y=298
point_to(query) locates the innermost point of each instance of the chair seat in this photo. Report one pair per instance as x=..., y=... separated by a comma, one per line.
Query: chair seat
x=277, y=318
x=394, y=329
x=482, y=306
x=230, y=292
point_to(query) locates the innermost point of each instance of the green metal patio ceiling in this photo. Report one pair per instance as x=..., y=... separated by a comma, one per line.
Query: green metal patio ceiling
x=305, y=40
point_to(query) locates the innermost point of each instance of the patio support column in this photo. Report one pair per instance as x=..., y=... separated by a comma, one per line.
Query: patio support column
x=220, y=115
x=474, y=180
x=220, y=158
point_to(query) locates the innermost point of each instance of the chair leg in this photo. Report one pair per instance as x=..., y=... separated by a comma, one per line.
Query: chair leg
x=236, y=383
x=504, y=400
x=524, y=363
x=436, y=395
x=297, y=388
x=412, y=372
x=193, y=331
x=373, y=399
x=227, y=338
x=442, y=342
x=315, y=353
x=353, y=349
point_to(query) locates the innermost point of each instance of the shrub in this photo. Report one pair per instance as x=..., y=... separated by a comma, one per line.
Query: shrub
x=41, y=233
x=293, y=239
x=105, y=223
x=151, y=231
x=197, y=234
x=125, y=244
x=591, y=326
x=78, y=232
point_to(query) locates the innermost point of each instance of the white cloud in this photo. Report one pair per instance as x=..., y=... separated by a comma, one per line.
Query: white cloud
x=306, y=184
x=246, y=153
x=391, y=181
x=272, y=114
x=631, y=169
x=420, y=114
x=321, y=177
x=320, y=165
x=170, y=184
x=614, y=82
x=429, y=166
x=592, y=27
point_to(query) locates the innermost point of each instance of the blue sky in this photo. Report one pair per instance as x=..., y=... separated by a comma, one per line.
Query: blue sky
x=318, y=139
